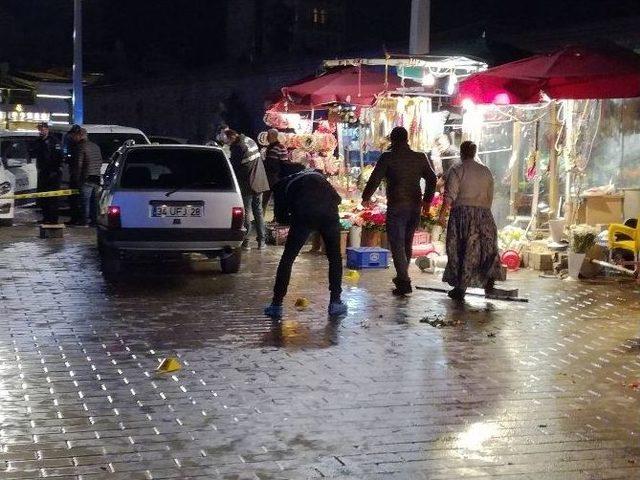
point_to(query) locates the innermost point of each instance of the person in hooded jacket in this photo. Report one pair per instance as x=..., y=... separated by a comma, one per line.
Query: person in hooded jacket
x=306, y=201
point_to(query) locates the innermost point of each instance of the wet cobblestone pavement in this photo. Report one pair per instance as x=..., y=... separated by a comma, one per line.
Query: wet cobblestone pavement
x=543, y=390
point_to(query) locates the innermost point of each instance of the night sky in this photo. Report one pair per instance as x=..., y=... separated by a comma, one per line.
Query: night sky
x=141, y=34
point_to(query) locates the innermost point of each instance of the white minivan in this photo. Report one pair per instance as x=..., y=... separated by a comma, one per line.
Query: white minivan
x=108, y=137
x=171, y=199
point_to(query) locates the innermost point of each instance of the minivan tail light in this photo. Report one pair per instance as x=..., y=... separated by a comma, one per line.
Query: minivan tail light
x=113, y=216
x=237, y=218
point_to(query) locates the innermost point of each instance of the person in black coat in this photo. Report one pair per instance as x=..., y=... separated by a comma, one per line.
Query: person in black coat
x=48, y=153
x=306, y=201
x=275, y=155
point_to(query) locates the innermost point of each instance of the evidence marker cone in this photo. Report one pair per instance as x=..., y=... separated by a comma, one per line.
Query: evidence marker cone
x=302, y=303
x=169, y=364
x=352, y=275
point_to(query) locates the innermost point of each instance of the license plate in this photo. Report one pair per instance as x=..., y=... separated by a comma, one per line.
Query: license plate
x=177, y=211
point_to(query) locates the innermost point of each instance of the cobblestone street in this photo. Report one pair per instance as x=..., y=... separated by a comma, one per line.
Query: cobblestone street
x=410, y=388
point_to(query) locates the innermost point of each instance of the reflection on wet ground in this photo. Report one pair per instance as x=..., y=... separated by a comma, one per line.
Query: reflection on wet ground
x=399, y=389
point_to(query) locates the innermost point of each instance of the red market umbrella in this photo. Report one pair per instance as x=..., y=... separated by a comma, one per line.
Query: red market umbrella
x=353, y=85
x=575, y=72
x=284, y=106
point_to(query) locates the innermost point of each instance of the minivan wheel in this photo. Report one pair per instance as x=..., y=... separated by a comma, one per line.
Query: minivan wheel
x=230, y=263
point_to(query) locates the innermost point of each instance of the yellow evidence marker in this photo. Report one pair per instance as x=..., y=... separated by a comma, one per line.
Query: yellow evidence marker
x=169, y=364
x=302, y=303
x=352, y=275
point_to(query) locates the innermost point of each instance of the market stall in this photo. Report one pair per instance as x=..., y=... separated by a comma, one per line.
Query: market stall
x=560, y=121
x=358, y=102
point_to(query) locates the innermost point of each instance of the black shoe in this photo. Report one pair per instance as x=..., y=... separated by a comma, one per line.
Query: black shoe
x=456, y=294
x=402, y=288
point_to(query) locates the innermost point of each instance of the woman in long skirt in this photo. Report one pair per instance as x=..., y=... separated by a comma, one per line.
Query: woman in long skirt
x=472, y=236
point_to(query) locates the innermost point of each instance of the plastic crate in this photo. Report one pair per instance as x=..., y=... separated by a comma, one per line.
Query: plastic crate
x=367, y=257
x=421, y=237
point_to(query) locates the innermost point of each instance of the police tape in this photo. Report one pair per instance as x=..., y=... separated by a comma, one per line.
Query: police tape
x=53, y=193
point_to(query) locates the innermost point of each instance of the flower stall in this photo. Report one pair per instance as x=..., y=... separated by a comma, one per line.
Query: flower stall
x=338, y=122
x=560, y=133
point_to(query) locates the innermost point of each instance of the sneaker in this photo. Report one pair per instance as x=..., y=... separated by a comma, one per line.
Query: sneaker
x=337, y=309
x=262, y=245
x=273, y=311
x=245, y=246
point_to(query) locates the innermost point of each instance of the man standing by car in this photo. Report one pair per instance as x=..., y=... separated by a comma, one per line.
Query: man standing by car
x=48, y=154
x=402, y=168
x=84, y=169
x=275, y=156
x=306, y=201
x=245, y=156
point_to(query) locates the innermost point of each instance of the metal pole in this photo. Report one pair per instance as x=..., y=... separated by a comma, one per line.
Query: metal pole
x=553, y=163
x=420, y=27
x=515, y=170
x=568, y=152
x=78, y=102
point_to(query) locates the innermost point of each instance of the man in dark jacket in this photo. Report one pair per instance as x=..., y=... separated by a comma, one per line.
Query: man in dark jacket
x=48, y=154
x=275, y=156
x=84, y=169
x=403, y=169
x=244, y=155
x=307, y=202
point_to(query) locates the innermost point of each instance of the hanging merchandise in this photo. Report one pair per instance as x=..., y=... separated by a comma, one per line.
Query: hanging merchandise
x=343, y=114
x=282, y=121
x=413, y=113
x=325, y=126
x=532, y=165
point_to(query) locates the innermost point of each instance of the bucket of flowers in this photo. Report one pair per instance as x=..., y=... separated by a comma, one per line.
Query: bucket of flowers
x=430, y=222
x=581, y=239
x=345, y=227
x=373, y=227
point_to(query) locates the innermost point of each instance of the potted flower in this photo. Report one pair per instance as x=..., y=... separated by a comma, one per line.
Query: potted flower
x=581, y=239
x=373, y=226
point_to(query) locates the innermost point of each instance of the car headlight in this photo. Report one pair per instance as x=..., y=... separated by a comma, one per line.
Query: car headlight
x=5, y=187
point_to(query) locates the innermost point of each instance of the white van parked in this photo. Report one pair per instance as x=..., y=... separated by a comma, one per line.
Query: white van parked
x=108, y=137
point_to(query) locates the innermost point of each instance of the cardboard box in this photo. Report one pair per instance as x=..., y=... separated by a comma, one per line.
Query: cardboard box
x=541, y=261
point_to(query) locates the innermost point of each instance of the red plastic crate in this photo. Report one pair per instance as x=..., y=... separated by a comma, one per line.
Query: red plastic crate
x=421, y=237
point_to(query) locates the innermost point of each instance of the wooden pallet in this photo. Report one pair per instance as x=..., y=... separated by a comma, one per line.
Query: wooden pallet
x=55, y=230
x=500, y=294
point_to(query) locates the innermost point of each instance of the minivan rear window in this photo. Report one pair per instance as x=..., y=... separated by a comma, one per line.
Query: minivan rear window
x=110, y=142
x=176, y=168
